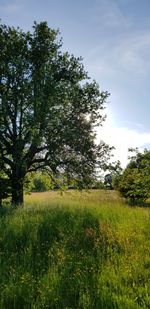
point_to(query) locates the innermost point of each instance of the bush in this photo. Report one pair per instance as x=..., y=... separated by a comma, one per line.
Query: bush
x=38, y=182
x=135, y=181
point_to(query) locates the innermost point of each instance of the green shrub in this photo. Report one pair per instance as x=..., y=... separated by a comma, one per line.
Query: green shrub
x=38, y=182
x=4, y=188
x=135, y=181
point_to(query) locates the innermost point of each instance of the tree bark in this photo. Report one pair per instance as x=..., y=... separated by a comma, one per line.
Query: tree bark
x=17, y=192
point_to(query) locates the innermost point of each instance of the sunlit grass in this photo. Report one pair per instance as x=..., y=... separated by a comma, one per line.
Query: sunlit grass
x=76, y=198
x=76, y=250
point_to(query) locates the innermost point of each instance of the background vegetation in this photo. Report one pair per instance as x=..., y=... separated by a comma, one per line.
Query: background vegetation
x=134, y=183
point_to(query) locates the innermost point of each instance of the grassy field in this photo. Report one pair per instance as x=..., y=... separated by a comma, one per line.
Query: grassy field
x=77, y=250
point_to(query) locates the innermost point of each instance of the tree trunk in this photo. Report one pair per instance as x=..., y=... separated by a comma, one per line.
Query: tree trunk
x=17, y=191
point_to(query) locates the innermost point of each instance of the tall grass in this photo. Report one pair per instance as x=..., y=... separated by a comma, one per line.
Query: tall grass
x=86, y=250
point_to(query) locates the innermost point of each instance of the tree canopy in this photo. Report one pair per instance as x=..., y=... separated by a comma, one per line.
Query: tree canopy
x=48, y=109
x=135, y=181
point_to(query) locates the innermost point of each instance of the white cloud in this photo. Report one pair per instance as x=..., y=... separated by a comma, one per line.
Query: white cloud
x=122, y=138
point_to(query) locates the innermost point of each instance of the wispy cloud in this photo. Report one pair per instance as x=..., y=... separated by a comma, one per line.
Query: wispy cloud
x=132, y=52
x=126, y=54
x=126, y=47
x=107, y=14
x=11, y=6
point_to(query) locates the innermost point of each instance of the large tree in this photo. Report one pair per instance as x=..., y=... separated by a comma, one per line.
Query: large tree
x=48, y=108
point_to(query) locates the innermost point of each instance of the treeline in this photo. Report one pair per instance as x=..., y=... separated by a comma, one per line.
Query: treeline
x=133, y=182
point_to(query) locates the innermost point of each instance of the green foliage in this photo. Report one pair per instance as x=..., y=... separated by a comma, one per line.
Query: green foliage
x=42, y=183
x=48, y=109
x=5, y=188
x=112, y=179
x=135, y=181
x=116, y=180
x=77, y=256
x=38, y=181
x=98, y=184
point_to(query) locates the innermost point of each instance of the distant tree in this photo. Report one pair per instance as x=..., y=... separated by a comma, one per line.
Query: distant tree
x=116, y=174
x=112, y=179
x=48, y=110
x=108, y=181
x=135, y=181
x=39, y=181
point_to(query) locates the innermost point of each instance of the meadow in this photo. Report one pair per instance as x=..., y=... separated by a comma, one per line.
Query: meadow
x=86, y=250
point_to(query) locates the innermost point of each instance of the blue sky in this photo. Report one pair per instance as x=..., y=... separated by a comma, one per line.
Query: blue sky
x=113, y=37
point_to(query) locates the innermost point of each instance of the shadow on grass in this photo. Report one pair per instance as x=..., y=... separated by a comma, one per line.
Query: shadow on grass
x=145, y=204
x=6, y=210
x=142, y=204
